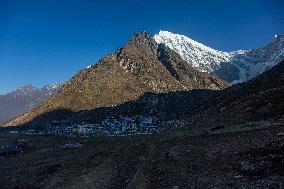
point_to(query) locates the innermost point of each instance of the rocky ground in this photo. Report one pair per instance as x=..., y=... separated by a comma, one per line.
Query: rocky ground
x=251, y=156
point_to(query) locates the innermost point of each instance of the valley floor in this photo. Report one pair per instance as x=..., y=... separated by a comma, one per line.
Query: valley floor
x=251, y=158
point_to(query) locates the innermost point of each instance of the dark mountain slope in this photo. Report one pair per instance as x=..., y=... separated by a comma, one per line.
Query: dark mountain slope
x=139, y=67
x=258, y=99
x=164, y=106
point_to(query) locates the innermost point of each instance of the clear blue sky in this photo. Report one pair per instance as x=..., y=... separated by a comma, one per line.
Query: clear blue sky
x=46, y=41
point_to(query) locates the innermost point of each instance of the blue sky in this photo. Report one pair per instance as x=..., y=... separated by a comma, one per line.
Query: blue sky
x=48, y=41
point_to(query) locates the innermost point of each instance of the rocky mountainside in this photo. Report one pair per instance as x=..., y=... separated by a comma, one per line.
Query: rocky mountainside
x=25, y=99
x=233, y=67
x=140, y=67
x=258, y=99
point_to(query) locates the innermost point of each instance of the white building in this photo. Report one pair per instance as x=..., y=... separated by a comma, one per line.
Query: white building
x=86, y=129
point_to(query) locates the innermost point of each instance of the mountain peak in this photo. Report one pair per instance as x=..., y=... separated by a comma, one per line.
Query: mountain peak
x=53, y=86
x=26, y=89
x=233, y=67
x=279, y=37
x=25, y=99
x=168, y=36
x=198, y=55
x=141, y=37
x=144, y=40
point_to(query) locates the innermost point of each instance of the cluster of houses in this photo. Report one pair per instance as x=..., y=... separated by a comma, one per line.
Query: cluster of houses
x=112, y=127
x=74, y=129
x=116, y=126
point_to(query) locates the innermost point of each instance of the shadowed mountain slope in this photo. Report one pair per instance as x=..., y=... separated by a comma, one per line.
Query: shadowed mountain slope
x=165, y=106
x=259, y=99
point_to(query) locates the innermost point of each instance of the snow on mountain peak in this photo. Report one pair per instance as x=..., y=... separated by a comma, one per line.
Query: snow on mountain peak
x=200, y=56
x=53, y=86
x=234, y=67
x=165, y=35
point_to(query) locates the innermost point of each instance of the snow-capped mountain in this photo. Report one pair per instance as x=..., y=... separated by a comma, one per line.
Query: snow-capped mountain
x=234, y=67
x=24, y=99
x=121, y=82
x=200, y=56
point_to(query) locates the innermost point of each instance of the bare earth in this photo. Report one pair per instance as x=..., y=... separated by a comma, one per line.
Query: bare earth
x=251, y=157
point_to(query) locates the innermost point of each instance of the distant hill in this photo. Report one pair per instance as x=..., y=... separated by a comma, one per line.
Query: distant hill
x=25, y=99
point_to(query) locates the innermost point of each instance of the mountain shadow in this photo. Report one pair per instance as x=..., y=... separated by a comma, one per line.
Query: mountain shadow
x=170, y=105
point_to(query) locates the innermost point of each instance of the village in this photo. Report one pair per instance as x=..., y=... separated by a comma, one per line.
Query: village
x=116, y=126
x=120, y=126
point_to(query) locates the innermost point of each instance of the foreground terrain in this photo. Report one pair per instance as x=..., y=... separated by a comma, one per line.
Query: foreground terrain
x=245, y=156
